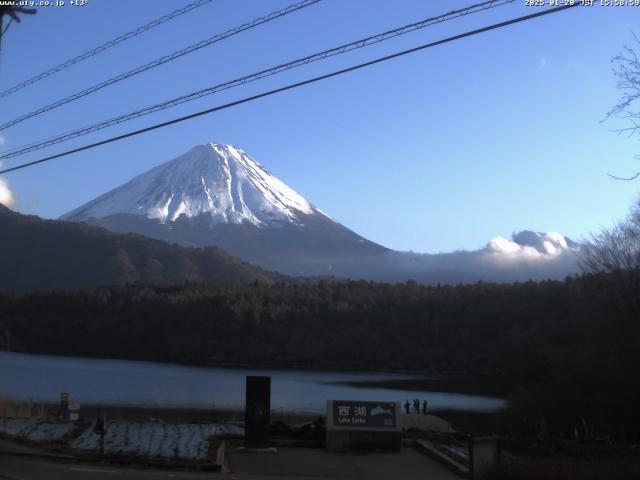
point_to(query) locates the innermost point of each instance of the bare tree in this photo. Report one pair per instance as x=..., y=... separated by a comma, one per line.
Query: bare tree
x=627, y=71
x=614, y=254
x=12, y=12
x=617, y=248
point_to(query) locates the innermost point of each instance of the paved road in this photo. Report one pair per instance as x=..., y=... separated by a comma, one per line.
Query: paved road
x=12, y=447
x=312, y=464
x=287, y=464
x=21, y=468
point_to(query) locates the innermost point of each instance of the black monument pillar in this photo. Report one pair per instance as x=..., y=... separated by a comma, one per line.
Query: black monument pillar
x=64, y=405
x=257, y=412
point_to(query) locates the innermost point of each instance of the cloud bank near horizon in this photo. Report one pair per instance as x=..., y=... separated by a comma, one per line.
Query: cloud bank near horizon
x=526, y=256
x=527, y=247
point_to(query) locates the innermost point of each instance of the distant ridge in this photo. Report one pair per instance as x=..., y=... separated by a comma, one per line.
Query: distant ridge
x=38, y=254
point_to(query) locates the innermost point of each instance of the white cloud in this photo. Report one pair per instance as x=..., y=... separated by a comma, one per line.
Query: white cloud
x=502, y=246
x=7, y=198
x=526, y=256
x=527, y=246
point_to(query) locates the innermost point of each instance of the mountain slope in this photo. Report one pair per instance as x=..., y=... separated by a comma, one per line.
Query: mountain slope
x=49, y=254
x=218, y=195
x=220, y=180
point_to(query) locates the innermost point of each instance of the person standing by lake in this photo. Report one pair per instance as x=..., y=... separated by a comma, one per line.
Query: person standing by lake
x=424, y=407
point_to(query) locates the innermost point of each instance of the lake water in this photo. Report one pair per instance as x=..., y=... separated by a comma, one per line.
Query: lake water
x=129, y=383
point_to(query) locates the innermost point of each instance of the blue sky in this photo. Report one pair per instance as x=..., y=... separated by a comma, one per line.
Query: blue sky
x=432, y=152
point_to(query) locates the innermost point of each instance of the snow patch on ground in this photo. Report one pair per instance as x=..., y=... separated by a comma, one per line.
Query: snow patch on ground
x=148, y=439
x=35, y=430
x=155, y=439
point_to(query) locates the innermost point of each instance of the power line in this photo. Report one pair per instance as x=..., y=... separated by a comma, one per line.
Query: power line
x=293, y=85
x=255, y=76
x=165, y=59
x=105, y=46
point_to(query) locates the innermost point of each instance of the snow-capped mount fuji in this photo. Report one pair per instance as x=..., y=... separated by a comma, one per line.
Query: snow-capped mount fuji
x=219, y=180
x=218, y=195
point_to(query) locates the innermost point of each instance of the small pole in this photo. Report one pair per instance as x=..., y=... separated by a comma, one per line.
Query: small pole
x=103, y=445
x=101, y=428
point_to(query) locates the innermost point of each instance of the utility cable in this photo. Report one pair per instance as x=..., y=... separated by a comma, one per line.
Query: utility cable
x=292, y=86
x=161, y=61
x=365, y=42
x=105, y=46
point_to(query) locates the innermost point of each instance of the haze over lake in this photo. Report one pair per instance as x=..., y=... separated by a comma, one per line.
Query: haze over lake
x=131, y=383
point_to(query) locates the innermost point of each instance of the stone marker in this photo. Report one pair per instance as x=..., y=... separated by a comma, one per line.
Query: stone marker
x=73, y=408
x=257, y=413
x=64, y=405
x=363, y=425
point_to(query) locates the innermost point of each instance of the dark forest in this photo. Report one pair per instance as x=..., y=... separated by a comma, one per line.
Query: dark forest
x=566, y=352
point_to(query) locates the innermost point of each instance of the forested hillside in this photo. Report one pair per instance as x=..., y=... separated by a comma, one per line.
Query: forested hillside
x=48, y=254
x=568, y=350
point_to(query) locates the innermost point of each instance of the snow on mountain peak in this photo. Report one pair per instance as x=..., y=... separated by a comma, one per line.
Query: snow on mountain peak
x=220, y=180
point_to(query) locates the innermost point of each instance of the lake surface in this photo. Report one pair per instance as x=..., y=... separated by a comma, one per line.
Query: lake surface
x=130, y=383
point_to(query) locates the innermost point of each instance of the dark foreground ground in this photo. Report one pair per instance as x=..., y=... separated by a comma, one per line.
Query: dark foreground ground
x=619, y=464
x=559, y=460
x=315, y=464
x=21, y=468
x=286, y=464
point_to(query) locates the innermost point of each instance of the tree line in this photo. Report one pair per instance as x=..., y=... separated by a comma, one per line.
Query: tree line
x=567, y=350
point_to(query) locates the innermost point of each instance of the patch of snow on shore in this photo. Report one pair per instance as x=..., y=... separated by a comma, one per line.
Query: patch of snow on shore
x=156, y=439
x=35, y=430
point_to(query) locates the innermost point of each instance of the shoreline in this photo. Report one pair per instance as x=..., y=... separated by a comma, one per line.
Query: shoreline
x=186, y=415
x=479, y=423
x=495, y=387
x=273, y=366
